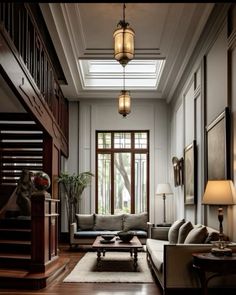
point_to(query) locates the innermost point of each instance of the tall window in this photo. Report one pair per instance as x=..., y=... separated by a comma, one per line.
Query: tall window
x=122, y=182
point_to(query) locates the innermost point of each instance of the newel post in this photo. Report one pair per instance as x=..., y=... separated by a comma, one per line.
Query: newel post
x=44, y=226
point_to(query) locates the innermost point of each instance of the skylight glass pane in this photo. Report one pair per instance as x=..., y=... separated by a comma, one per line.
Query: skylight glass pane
x=108, y=74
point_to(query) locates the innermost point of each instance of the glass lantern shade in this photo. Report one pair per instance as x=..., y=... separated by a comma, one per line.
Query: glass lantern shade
x=124, y=103
x=124, y=44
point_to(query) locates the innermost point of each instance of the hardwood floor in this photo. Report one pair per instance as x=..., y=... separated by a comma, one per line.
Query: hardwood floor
x=57, y=287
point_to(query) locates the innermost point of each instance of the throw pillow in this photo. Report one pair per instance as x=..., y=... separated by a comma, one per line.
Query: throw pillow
x=196, y=235
x=85, y=221
x=174, y=231
x=183, y=231
x=212, y=236
x=135, y=221
x=108, y=222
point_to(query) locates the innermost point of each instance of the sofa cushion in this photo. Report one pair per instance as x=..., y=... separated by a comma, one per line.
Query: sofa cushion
x=85, y=221
x=108, y=222
x=174, y=231
x=156, y=250
x=197, y=235
x=135, y=221
x=140, y=233
x=183, y=231
x=94, y=233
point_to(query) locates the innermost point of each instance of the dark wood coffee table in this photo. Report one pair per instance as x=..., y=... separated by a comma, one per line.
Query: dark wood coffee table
x=133, y=246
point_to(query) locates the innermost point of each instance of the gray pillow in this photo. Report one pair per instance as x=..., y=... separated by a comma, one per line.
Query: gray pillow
x=85, y=221
x=183, y=231
x=196, y=235
x=174, y=231
x=213, y=236
x=136, y=221
x=108, y=222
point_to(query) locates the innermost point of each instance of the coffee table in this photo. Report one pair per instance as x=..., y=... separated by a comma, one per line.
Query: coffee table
x=117, y=245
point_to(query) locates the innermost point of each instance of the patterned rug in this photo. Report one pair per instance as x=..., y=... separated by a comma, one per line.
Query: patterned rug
x=116, y=267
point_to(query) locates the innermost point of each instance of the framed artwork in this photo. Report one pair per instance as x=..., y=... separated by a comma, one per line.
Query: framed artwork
x=190, y=174
x=178, y=167
x=217, y=142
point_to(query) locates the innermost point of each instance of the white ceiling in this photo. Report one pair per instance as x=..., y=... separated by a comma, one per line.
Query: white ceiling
x=84, y=31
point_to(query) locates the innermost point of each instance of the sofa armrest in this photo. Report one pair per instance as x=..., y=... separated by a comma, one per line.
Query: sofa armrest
x=149, y=228
x=73, y=230
x=160, y=233
x=180, y=255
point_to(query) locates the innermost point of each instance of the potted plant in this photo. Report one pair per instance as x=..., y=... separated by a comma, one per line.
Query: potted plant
x=74, y=186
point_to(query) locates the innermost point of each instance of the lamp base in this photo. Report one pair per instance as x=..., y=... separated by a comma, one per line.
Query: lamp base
x=221, y=252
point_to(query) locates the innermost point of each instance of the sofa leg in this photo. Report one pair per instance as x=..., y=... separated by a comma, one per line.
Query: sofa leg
x=73, y=246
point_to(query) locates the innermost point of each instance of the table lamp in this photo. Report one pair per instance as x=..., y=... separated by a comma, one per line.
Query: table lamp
x=220, y=192
x=164, y=189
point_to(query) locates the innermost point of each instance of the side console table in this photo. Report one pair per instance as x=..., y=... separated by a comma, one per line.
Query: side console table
x=218, y=265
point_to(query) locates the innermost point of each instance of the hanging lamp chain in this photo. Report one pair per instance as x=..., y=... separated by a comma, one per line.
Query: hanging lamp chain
x=124, y=12
x=123, y=23
x=124, y=77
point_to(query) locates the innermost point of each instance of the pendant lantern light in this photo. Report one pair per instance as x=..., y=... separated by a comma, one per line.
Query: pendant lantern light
x=124, y=103
x=123, y=41
x=124, y=99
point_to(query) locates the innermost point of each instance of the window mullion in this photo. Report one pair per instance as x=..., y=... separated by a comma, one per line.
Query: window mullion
x=112, y=182
x=112, y=173
x=132, y=182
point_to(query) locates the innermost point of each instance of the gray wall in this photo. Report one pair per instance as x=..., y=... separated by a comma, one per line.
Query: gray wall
x=100, y=114
x=203, y=93
x=206, y=88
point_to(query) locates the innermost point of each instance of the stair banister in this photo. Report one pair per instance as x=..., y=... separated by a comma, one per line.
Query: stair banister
x=44, y=225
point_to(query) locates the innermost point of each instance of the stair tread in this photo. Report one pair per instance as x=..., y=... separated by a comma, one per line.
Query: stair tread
x=21, y=242
x=19, y=273
x=16, y=229
x=14, y=255
x=23, y=273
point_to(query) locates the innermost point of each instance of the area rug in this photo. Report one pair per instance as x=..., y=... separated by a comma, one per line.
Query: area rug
x=116, y=267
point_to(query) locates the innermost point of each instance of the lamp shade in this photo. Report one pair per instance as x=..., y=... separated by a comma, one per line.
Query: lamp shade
x=164, y=188
x=123, y=44
x=219, y=192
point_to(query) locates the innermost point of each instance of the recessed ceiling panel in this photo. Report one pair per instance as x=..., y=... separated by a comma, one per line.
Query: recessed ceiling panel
x=82, y=34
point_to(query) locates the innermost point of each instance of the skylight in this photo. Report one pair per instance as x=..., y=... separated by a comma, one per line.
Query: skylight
x=108, y=74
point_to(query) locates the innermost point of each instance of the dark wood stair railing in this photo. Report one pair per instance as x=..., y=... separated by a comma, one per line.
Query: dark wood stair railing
x=44, y=246
x=35, y=74
x=29, y=246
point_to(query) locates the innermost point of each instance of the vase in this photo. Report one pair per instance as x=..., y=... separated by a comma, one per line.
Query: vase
x=41, y=181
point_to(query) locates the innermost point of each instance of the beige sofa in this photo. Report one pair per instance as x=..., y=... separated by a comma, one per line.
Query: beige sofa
x=88, y=226
x=171, y=260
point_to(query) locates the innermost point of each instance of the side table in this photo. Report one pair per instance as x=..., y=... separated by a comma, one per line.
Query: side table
x=218, y=265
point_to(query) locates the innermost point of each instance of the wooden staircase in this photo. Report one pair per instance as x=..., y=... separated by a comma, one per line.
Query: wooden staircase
x=28, y=245
x=15, y=243
x=15, y=257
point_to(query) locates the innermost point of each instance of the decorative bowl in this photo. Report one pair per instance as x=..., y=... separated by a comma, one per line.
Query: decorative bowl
x=125, y=236
x=107, y=237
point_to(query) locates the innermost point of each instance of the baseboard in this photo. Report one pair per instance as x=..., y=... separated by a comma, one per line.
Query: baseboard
x=192, y=291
